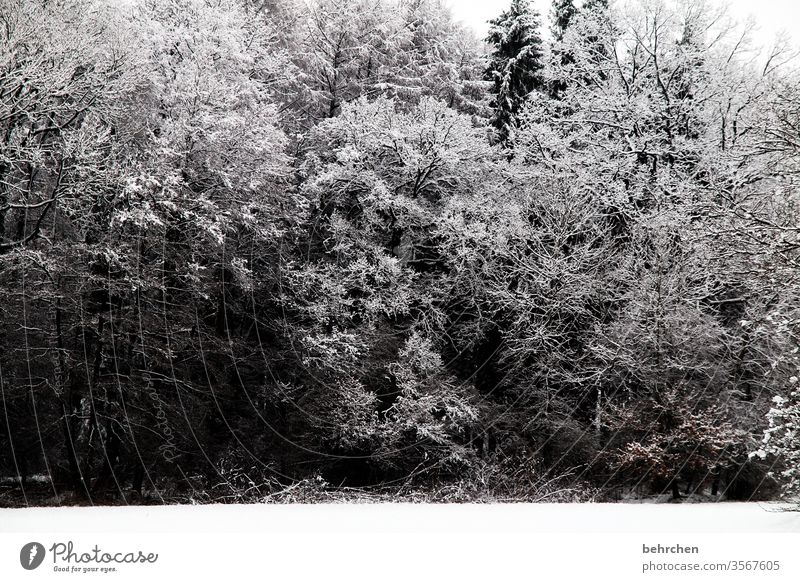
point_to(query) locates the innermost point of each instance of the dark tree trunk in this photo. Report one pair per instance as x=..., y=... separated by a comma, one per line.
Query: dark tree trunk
x=112, y=451
x=676, y=494
x=75, y=477
x=68, y=410
x=715, y=483
x=138, y=479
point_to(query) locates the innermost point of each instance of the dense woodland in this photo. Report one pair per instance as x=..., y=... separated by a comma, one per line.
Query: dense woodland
x=344, y=249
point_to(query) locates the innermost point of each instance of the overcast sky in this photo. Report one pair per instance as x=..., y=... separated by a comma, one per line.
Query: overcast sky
x=771, y=15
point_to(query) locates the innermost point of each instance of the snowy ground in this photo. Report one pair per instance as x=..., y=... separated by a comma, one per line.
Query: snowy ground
x=560, y=518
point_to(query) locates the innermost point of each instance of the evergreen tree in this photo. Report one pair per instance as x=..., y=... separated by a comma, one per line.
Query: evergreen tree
x=515, y=63
x=563, y=13
x=595, y=5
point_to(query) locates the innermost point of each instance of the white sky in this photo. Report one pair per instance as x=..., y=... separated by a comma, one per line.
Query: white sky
x=772, y=16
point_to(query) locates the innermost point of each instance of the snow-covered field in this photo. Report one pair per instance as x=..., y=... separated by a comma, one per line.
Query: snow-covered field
x=557, y=518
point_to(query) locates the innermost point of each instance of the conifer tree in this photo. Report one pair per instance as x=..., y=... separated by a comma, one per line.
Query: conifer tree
x=563, y=13
x=595, y=5
x=515, y=63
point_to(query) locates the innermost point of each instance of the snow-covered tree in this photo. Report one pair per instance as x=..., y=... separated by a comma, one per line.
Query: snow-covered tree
x=379, y=180
x=649, y=108
x=405, y=49
x=67, y=70
x=563, y=11
x=515, y=64
x=440, y=59
x=781, y=438
x=245, y=243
